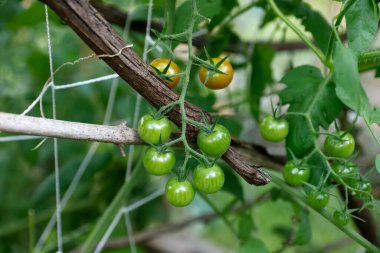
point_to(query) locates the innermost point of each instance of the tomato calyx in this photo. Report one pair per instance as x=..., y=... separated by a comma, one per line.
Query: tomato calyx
x=213, y=68
x=163, y=74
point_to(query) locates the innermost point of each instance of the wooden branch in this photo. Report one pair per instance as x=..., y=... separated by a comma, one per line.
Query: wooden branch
x=94, y=30
x=121, y=134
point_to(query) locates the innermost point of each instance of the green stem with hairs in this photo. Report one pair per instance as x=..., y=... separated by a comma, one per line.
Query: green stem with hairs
x=302, y=35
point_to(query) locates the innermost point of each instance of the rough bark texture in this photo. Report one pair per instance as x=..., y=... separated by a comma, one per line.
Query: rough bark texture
x=94, y=30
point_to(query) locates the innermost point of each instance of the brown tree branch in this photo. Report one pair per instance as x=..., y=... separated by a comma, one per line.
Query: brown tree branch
x=94, y=30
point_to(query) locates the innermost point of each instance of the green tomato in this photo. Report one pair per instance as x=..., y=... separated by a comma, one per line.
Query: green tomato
x=363, y=189
x=340, y=147
x=153, y=130
x=347, y=172
x=295, y=175
x=341, y=218
x=158, y=163
x=179, y=193
x=317, y=199
x=208, y=179
x=215, y=143
x=274, y=130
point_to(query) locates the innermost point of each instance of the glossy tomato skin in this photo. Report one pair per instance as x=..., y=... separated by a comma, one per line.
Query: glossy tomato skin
x=347, y=172
x=317, y=199
x=179, y=193
x=158, y=163
x=161, y=64
x=215, y=143
x=274, y=130
x=341, y=218
x=343, y=147
x=217, y=81
x=363, y=189
x=151, y=130
x=208, y=179
x=295, y=175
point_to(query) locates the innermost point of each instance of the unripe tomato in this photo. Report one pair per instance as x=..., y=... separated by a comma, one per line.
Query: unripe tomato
x=208, y=179
x=274, y=130
x=364, y=189
x=217, y=81
x=341, y=218
x=340, y=146
x=158, y=163
x=348, y=172
x=161, y=64
x=295, y=175
x=153, y=130
x=317, y=199
x=179, y=193
x=215, y=143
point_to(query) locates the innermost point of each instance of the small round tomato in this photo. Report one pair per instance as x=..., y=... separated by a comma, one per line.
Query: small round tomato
x=295, y=175
x=161, y=64
x=273, y=130
x=214, y=143
x=179, y=193
x=317, y=199
x=363, y=189
x=340, y=146
x=208, y=179
x=348, y=172
x=153, y=130
x=341, y=218
x=157, y=162
x=217, y=81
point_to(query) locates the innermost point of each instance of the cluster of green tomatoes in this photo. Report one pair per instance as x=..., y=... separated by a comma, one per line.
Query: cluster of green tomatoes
x=160, y=160
x=213, y=141
x=340, y=146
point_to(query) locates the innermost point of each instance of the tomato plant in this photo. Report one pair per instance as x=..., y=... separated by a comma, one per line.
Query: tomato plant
x=342, y=145
x=305, y=56
x=168, y=70
x=179, y=193
x=318, y=199
x=362, y=189
x=158, y=162
x=208, y=179
x=341, y=218
x=215, y=80
x=153, y=130
x=348, y=172
x=295, y=174
x=274, y=130
x=214, y=142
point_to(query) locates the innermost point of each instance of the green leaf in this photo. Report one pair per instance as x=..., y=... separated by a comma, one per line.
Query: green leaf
x=232, y=183
x=303, y=233
x=362, y=22
x=348, y=86
x=261, y=76
x=312, y=20
x=253, y=245
x=314, y=23
x=310, y=93
x=245, y=226
x=208, y=9
x=378, y=163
